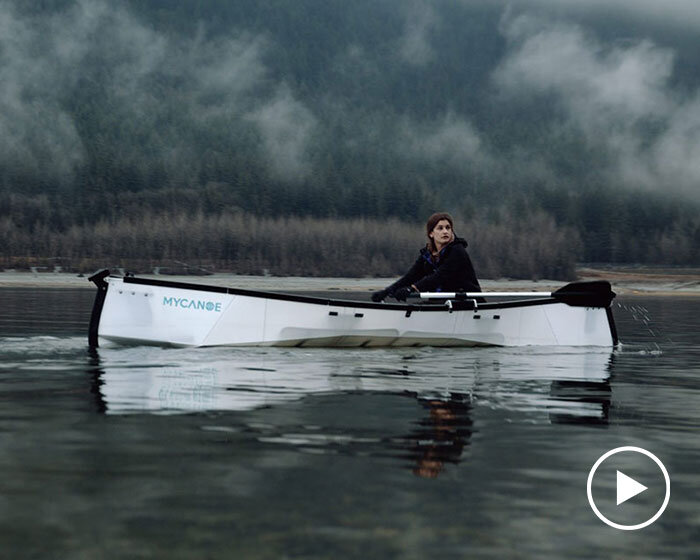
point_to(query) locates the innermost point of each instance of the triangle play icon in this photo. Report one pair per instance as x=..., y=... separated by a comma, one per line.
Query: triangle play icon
x=627, y=488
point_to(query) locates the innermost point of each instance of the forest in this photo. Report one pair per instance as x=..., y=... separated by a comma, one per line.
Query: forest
x=314, y=138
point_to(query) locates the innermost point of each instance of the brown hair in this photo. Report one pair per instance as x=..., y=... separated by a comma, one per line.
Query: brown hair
x=430, y=225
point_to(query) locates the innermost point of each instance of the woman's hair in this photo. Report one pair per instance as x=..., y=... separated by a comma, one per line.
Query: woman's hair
x=430, y=225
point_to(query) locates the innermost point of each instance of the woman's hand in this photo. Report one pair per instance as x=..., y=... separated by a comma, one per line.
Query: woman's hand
x=402, y=293
x=381, y=294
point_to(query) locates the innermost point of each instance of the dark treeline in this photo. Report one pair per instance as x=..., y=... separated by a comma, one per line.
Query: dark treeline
x=529, y=246
x=168, y=116
x=246, y=244
x=620, y=231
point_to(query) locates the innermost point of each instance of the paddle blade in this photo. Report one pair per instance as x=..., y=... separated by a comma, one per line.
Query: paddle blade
x=586, y=294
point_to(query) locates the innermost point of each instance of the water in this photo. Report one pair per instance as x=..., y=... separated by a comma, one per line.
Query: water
x=358, y=453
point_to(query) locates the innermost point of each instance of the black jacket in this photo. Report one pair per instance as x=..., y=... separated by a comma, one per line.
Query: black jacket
x=453, y=271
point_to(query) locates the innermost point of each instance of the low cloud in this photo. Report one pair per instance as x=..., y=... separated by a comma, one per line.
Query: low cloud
x=286, y=127
x=682, y=13
x=451, y=140
x=626, y=83
x=163, y=98
x=35, y=131
x=159, y=90
x=619, y=97
x=414, y=46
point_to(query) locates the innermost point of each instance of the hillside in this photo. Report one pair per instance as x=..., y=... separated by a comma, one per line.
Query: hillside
x=136, y=113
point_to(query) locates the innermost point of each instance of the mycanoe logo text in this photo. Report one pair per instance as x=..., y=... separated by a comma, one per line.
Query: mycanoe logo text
x=187, y=303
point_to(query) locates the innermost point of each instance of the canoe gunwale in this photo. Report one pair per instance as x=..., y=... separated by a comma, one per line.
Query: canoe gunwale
x=435, y=307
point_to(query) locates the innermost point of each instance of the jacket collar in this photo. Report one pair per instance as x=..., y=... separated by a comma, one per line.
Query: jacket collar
x=446, y=248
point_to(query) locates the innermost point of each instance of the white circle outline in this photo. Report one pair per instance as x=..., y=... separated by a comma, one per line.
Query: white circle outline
x=614, y=452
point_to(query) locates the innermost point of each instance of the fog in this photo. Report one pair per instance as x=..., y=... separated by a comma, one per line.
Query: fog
x=618, y=96
x=94, y=76
x=677, y=13
x=135, y=69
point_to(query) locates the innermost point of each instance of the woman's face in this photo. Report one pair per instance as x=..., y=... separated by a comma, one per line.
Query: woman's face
x=442, y=234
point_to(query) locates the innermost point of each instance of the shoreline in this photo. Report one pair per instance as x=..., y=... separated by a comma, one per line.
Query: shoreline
x=625, y=281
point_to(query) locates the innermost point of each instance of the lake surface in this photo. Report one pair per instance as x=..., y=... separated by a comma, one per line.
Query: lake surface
x=361, y=453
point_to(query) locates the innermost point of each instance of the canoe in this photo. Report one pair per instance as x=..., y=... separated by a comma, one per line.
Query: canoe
x=138, y=310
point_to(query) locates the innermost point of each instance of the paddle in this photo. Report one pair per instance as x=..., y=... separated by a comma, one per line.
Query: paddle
x=578, y=294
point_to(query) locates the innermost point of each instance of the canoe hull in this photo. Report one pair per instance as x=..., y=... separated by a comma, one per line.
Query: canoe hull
x=144, y=311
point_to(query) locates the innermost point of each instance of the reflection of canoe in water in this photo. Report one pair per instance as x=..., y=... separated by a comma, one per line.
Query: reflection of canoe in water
x=132, y=310
x=567, y=383
x=417, y=407
x=420, y=406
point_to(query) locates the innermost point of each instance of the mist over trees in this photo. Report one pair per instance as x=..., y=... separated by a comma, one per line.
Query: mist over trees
x=561, y=135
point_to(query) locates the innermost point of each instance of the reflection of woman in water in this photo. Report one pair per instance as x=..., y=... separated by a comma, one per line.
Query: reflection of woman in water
x=442, y=435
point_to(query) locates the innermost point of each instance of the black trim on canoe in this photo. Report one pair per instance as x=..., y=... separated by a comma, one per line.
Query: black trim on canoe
x=99, y=280
x=457, y=305
x=583, y=294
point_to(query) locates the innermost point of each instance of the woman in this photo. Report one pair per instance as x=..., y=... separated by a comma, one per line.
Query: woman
x=443, y=264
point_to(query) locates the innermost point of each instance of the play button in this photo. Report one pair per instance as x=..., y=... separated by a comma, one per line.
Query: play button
x=642, y=488
x=627, y=488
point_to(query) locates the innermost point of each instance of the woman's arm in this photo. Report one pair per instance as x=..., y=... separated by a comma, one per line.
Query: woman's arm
x=415, y=273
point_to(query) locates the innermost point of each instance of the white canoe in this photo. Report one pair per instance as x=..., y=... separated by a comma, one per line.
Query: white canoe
x=133, y=310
